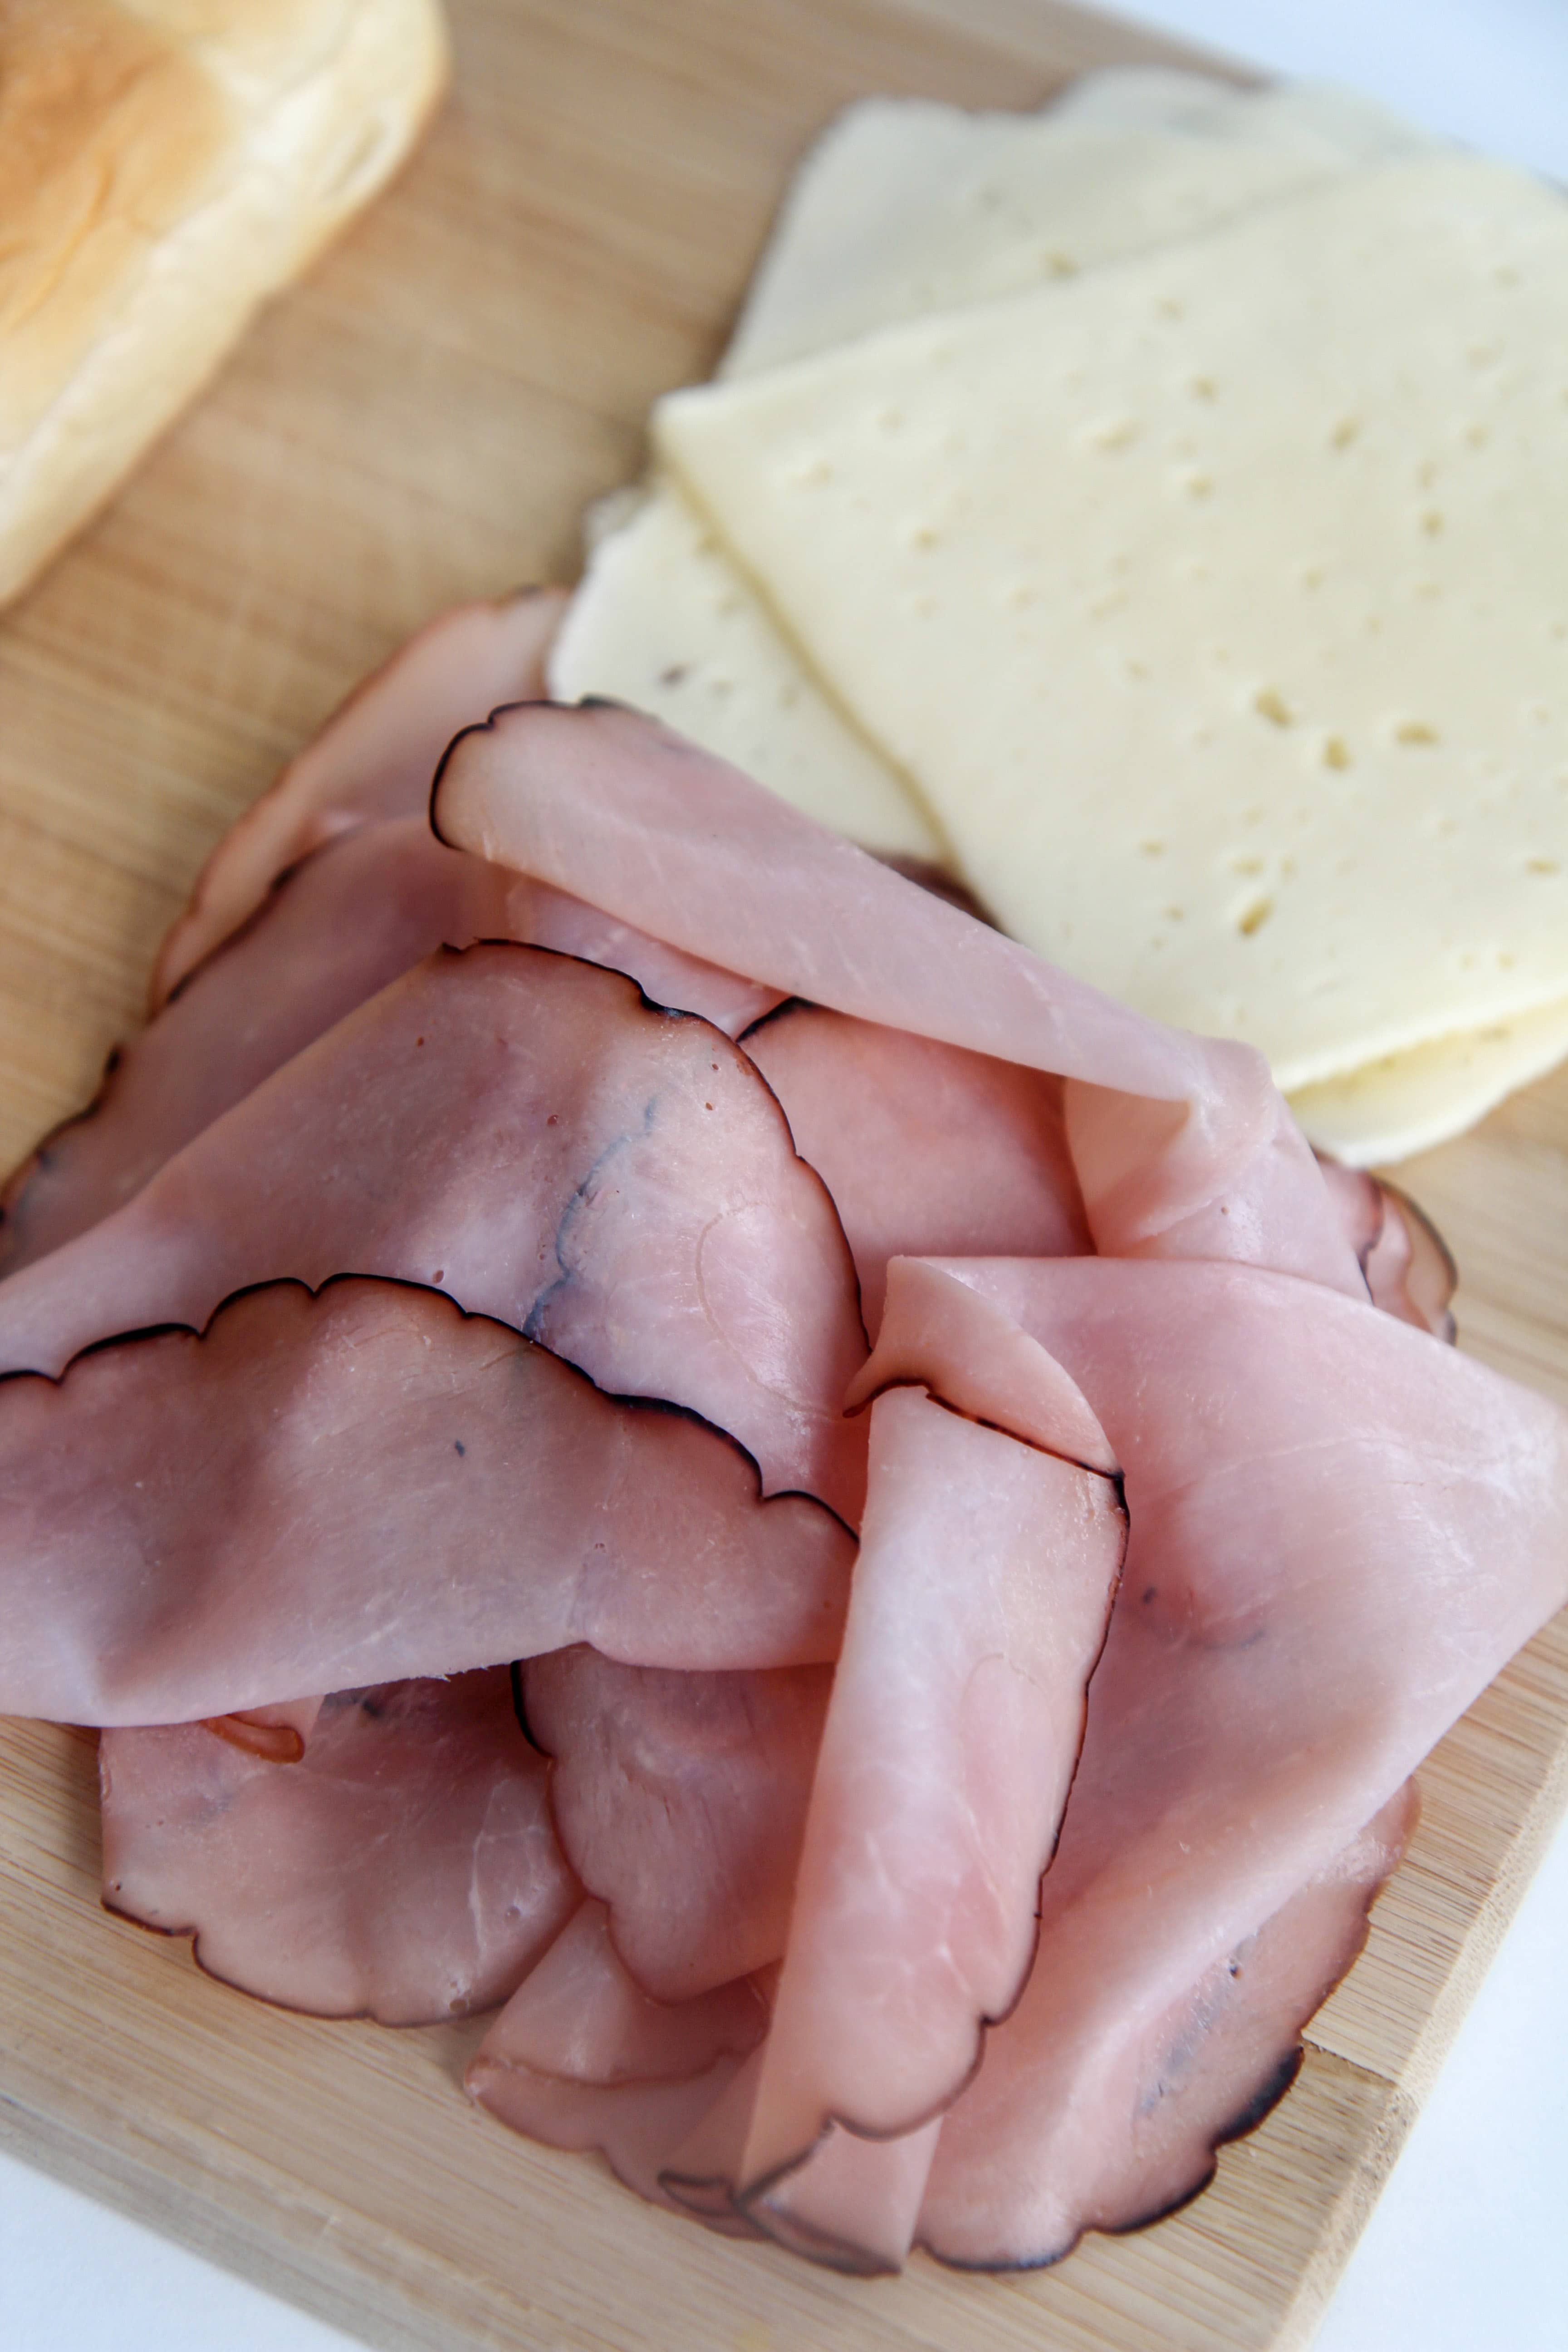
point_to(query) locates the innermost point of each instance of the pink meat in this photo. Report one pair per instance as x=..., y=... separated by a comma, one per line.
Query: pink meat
x=367, y=1484
x=928, y=1150
x=353, y=916
x=525, y=1131
x=1402, y=1255
x=1408, y=1269
x=681, y=1799
x=1182, y=1145
x=978, y=1608
x=1340, y=1531
x=581, y=2058
x=1185, y=2079
x=405, y=1869
x=374, y=758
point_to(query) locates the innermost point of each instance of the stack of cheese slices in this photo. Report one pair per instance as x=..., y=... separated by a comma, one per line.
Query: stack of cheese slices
x=1154, y=511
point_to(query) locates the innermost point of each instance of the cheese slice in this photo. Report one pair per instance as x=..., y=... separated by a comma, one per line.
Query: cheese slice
x=1406, y=1102
x=1257, y=544
x=904, y=206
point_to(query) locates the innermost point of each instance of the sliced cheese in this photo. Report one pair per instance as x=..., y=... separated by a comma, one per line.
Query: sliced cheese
x=904, y=206
x=1406, y=1102
x=1258, y=546
x=907, y=206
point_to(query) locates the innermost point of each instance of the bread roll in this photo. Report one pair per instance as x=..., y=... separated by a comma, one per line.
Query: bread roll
x=164, y=165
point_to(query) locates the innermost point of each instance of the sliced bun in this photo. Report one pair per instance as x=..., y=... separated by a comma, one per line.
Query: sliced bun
x=165, y=167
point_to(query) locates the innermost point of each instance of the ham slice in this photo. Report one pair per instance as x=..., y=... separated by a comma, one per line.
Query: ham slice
x=404, y=1869
x=1340, y=1531
x=353, y=916
x=681, y=1799
x=1182, y=1145
x=1181, y=2082
x=363, y=1486
x=374, y=758
x=978, y=1608
x=928, y=1150
x=526, y=1131
x=581, y=2058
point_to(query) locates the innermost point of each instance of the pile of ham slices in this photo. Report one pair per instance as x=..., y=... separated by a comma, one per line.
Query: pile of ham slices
x=628, y=1418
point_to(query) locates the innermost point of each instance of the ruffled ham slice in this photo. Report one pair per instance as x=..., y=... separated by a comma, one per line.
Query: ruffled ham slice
x=979, y=1606
x=928, y=1150
x=681, y=1799
x=1182, y=1145
x=1339, y=1532
x=403, y=1869
x=1183, y=2081
x=353, y=917
x=525, y=1131
x=581, y=2058
x=373, y=759
x=367, y=1484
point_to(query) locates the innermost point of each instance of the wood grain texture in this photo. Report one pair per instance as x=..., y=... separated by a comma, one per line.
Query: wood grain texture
x=423, y=420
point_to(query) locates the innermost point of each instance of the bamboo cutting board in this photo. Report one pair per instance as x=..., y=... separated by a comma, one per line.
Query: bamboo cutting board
x=423, y=420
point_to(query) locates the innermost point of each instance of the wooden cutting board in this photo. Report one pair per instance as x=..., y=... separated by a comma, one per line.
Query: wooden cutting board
x=423, y=420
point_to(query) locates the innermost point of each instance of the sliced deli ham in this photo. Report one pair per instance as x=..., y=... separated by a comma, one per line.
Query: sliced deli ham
x=916, y=1140
x=373, y=759
x=1339, y=1531
x=353, y=916
x=985, y=1577
x=817, y=1986
x=353, y=1487
x=680, y=1797
x=402, y=1868
x=1182, y=1145
x=528, y=1133
x=581, y=2058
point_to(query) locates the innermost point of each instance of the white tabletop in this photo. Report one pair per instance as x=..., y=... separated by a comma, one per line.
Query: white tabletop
x=1468, y=2251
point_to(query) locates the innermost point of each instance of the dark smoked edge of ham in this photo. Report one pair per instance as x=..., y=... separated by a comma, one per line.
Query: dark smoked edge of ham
x=1255, y=2110
x=752, y=2202
x=649, y=1404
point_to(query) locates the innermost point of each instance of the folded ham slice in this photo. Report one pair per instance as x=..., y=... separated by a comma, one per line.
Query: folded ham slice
x=1339, y=1532
x=373, y=759
x=403, y=1869
x=681, y=1799
x=986, y=1572
x=353, y=916
x=527, y=1132
x=367, y=1484
x=1182, y=1145
x=581, y=2058
x=928, y=1150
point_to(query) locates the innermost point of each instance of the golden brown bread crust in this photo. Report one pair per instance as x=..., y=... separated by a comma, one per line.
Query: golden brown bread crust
x=164, y=165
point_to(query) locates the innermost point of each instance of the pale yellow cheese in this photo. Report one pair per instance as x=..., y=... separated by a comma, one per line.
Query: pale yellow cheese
x=1217, y=601
x=907, y=205
x=1406, y=1102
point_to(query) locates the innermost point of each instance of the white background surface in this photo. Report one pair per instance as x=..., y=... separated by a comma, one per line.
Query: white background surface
x=1468, y=2249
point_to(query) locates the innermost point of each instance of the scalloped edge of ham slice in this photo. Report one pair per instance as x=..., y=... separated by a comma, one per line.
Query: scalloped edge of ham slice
x=365, y=1484
x=527, y=1131
x=978, y=1607
x=404, y=1869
